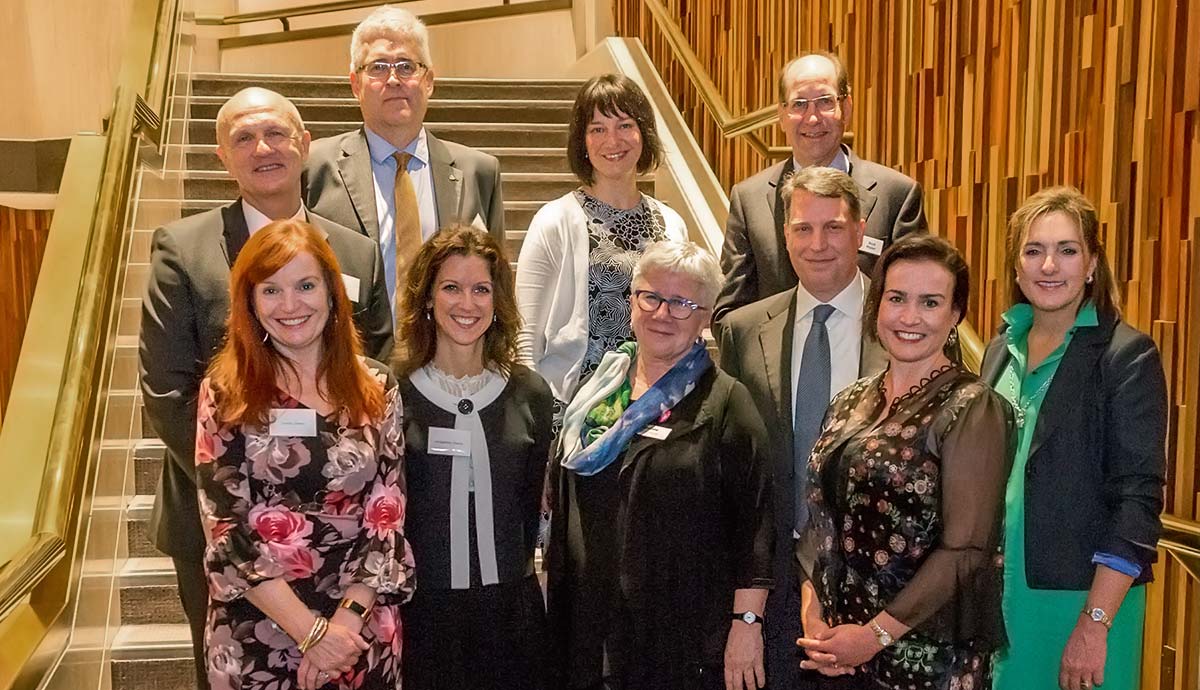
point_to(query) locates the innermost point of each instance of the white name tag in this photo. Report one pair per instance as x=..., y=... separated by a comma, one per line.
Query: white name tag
x=352, y=285
x=293, y=422
x=655, y=432
x=443, y=441
x=871, y=245
x=478, y=223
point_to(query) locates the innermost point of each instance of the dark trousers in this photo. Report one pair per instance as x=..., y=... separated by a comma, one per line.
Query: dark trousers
x=783, y=627
x=193, y=593
x=482, y=638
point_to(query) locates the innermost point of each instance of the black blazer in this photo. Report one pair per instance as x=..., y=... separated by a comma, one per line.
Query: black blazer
x=183, y=325
x=1095, y=474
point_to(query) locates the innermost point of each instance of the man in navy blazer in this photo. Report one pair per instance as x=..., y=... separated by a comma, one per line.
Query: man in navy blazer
x=815, y=107
x=262, y=143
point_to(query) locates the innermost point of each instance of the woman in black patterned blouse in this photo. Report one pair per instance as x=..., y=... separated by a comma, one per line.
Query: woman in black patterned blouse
x=900, y=574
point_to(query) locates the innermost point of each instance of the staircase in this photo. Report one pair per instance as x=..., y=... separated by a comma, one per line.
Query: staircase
x=523, y=123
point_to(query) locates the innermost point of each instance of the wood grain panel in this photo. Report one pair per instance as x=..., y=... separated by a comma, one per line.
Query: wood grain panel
x=23, y=236
x=984, y=103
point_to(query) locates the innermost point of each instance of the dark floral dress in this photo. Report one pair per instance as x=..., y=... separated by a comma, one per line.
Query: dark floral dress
x=322, y=513
x=906, y=511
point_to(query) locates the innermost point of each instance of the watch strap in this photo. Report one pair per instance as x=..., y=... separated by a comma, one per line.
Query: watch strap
x=356, y=608
x=884, y=637
x=1099, y=615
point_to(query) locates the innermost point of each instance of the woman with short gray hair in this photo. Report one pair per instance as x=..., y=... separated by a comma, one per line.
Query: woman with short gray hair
x=663, y=523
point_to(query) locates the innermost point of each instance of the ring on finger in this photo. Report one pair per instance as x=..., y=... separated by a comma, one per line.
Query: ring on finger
x=1084, y=685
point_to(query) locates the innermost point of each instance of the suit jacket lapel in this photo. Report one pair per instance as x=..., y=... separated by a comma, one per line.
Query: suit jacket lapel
x=775, y=338
x=447, y=182
x=775, y=208
x=1073, y=372
x=234, y=231
x=866, y=183
x=359, y=178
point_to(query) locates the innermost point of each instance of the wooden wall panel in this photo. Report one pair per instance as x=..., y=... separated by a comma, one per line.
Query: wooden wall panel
x=23, y=236
x=984, y=103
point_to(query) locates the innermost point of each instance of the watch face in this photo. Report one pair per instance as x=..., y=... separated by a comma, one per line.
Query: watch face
x=1097, y=615
x=749, y=617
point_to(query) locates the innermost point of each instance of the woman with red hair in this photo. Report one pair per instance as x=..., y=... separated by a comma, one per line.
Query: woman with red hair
x=299, y=464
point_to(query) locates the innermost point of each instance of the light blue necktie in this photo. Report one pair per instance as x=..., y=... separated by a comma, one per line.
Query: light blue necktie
x=812, y=397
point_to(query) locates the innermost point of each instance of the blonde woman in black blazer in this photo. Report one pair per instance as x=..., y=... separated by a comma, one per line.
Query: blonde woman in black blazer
x=1083, y=500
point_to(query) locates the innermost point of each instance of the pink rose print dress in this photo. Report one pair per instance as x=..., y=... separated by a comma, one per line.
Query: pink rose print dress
x=906, y=506
x=322, y=513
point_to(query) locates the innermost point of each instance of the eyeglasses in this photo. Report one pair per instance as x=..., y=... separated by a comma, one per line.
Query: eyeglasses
x=381, y=70
x=247, y=140
x=678, y=307
x=825, y=104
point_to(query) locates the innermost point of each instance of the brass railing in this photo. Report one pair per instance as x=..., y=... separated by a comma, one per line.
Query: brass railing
x=57, y=401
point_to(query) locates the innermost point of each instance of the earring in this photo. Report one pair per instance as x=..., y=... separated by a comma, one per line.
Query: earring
x=952, y=339
x=428, y=313
x=1090, y=279
x=493, y=318
x=266, y=336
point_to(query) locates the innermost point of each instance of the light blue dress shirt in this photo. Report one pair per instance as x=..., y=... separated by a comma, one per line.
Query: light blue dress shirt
x=383, y=169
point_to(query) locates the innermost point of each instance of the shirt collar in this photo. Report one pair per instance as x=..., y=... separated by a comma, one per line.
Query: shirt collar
x=1019, y=318
x=381, y=149
x=255, y=219
x=840, y=161
x=849, y=301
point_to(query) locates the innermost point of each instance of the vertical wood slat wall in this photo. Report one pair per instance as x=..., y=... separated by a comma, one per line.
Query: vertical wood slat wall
x=984, y=103
x=23, y=236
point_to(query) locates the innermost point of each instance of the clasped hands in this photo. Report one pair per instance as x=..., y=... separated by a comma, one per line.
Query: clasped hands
x=837, y=651
x=334, y=655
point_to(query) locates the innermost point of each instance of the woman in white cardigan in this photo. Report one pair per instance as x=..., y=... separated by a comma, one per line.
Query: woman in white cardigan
x=577, y=260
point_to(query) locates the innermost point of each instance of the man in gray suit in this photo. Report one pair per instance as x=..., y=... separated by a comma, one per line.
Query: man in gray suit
x=353, y=177
x=262, y=143
x=796, y=350
x=815, y=107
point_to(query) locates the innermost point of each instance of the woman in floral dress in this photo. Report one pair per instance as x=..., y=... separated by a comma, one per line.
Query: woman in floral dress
x=901, y=579
x=299, y=456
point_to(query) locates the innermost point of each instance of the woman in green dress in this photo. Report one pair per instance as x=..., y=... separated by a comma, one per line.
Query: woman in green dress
x=1083, y=499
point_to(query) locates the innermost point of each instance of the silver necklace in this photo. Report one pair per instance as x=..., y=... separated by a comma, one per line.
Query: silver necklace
x=1021, y=401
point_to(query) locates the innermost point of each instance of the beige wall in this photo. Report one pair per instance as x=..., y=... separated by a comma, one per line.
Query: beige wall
x=533, y=46
x=74, y=46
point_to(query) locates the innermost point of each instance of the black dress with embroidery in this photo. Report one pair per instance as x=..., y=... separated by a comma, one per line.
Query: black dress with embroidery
x=616, y=239
x=906, y=513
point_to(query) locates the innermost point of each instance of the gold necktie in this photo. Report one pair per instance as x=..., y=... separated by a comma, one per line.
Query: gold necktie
x=406, y=224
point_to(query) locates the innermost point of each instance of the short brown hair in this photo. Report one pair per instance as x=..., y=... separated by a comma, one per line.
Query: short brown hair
x=843, y=77
x=243, y=373
x=1102, y=291
x=416, y=336
x=917, y=247
x=611, y=94
x=829, y=183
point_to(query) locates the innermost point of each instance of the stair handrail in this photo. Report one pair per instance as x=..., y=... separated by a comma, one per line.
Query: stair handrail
x=57, y=401
x=287, y=13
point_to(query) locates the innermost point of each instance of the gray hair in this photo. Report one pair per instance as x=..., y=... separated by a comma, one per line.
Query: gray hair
x=829, y=183
x=257, y=97
x=685, y=258
x=395, y=24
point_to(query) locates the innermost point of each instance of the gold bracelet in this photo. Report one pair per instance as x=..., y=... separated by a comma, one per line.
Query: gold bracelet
x=319, y=627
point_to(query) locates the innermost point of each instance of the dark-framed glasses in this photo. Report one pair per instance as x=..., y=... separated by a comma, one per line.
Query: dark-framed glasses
x=824, y=104
x=381, y=70
x=678, y=308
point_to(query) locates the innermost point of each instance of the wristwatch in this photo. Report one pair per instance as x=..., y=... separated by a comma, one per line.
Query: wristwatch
x=356, y=608
x=747, y=617
x=1099, y=615
x=884, y=637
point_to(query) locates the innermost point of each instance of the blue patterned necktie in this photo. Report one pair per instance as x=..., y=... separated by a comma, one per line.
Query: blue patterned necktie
x=812, y=397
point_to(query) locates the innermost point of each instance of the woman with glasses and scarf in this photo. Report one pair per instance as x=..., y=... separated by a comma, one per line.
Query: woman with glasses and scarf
x=660, y=550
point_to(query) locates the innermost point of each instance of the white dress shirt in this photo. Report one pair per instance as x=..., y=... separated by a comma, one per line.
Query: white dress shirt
x=840, y=161
x=845, y=334
x=256, y=219
x=383, y=168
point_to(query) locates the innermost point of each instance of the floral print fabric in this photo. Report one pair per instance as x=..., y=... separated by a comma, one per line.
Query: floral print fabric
x=322, y=513
x=906, y=519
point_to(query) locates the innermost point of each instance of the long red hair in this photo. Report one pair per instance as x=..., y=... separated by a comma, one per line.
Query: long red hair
x=244, y=373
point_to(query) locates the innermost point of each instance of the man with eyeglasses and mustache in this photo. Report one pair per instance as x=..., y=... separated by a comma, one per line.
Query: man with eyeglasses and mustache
x=392, y=179
x=815, y=107
x=262, y=143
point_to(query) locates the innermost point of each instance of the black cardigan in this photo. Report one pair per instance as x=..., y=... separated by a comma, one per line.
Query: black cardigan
x=1095, y=474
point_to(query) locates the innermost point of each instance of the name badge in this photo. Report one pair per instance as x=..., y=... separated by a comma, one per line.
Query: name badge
x=443, y=441
x=352, y=285
x=293, y=422
x=871, y=245
x=655, y=432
